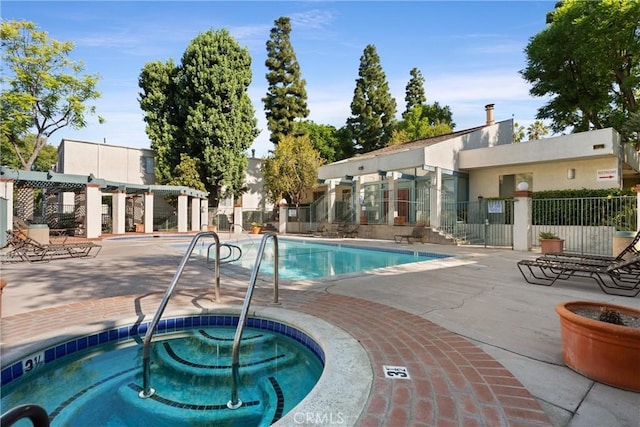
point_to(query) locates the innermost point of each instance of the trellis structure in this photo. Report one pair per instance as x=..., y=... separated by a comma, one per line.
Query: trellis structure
x=37, y=197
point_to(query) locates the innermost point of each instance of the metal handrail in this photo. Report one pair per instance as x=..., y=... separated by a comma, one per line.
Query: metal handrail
x=225, y=259
x=36, y=414
x=235, y=403
x=147, y=390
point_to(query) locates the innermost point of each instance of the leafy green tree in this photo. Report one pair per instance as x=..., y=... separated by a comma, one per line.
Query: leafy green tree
x=417, y=123
x=436, y=114
x=414, y=93
x=586, y=61
x=43, y=89
x=373, y=108
x=326, y=140
x=631, y=128
x=47, y=156
x=518, y=132
x=345, y=141
x=399, y=136
x=323, y=138
x=537, y=130
x=159, y=82
x=286, y=98
x=292, y=169
x=201, y=108
x=186, y=174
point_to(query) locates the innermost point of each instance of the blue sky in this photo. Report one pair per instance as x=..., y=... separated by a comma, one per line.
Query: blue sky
x=469, y=52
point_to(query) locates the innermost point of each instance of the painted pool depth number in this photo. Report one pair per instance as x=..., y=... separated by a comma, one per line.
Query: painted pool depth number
x=396, y=372
x=33, y=362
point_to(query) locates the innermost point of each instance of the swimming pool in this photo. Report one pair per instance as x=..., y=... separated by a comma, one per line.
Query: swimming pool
x=304, y=259
x=96, y=379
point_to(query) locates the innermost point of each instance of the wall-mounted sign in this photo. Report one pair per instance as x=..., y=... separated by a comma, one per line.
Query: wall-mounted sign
x=495, y=206
x=607, y=175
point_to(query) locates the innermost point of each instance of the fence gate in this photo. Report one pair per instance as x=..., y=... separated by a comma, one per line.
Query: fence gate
x=482, y=222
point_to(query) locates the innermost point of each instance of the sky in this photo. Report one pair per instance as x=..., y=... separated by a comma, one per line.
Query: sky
x=469, y=52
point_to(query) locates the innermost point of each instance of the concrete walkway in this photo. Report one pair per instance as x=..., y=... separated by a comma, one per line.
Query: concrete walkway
x=400, y=315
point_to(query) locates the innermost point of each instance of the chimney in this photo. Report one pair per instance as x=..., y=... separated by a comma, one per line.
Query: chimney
x=489, y=109
x=253, y=153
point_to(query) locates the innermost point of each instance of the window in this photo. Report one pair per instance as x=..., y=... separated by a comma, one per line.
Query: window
x=146, y=164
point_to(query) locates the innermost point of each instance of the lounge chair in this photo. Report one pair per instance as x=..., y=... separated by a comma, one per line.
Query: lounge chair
x=627, y=253
x=616, y=278
x=23, y=248
x=347, y=230
x=417, y=234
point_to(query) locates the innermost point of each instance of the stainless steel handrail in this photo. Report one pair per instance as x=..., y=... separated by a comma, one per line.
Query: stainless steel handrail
x=147, y=390
x=235, y=403
x=225, y=259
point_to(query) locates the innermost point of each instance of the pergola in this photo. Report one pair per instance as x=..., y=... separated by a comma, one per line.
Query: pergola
x=92, y=189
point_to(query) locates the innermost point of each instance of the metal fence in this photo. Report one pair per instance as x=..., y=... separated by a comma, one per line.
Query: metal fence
x=482, y=222
x=587, y=225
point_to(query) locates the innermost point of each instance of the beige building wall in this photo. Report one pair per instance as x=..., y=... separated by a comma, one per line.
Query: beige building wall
x=547, y=176
x=110, y=162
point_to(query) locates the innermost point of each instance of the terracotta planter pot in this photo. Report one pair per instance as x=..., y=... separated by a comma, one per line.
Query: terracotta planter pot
x=399, y=220
x=551, y=245
x=602, y=351
x=256, y=230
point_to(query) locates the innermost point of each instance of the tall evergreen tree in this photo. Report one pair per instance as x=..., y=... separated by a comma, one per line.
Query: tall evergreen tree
x=414, y=93
x=372, y=108
x=286, y=98
x=201, y=109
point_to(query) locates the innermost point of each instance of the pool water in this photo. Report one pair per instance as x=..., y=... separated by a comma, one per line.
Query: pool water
x=190, y=372
x=302, y=259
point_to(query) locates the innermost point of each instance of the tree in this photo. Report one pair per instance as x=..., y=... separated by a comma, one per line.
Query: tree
x=537, y=130
x=201, y=109
x=43, y=89
x=518, y=132
x=414, y=93
x=159, y=82
x=326, y=140
x=286, y=98
x=186, y=174
x=417, y=123
x=323, y=138
x=631, y=129
x=587, y=62
x=399, y=136
x=292, y=169
x=373, y=108
x=47, y=156
x=437, y=114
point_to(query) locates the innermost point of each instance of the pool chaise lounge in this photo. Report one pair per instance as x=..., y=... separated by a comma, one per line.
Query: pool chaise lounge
x=620, y=278
x=417, y=234
x=627, y=253
x=24, y=248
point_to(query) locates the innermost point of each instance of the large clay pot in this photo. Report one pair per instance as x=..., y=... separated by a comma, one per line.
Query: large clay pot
x=551, y=245
x=602, y=351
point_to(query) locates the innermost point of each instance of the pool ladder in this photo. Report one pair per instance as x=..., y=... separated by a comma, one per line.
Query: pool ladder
x=234, y=402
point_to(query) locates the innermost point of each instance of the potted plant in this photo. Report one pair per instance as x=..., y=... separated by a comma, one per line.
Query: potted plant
x=256, y=227
x=549, y=242
x=602, y=341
